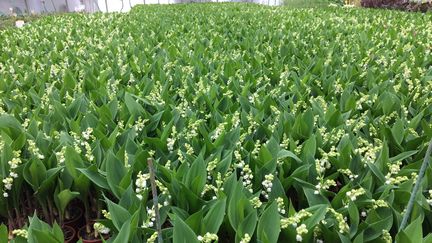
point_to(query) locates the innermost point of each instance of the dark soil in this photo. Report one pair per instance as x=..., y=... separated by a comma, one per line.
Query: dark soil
x=403, y=5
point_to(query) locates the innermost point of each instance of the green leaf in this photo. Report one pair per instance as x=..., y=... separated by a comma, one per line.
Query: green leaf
x=197, y=176
x=269, y=225
x=309, y=149
x=413, y=230
x=195, y=222
x=57, y=232
x=10, y=122
x=215, y=216
x=354, y=218
x=95, y=176
x=287, y=154
x=416, y=120
x=248, y=225
x=73, y=161
x=64, y=197
x=124, y=233
x=238, y=205
x=317, y=216
x=403, y=156
x=398, y=131
x=35, y=173
x=377, y=172
x=69, y=80
x=115, y=173
x=132, y=105
x=314, y=199
x=303, y=125
x=182, y=233
x=119, y=215
x=3, y=234
x=44, y=236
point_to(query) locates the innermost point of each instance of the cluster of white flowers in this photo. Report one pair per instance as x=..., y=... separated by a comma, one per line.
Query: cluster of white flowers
x=368, y=150
x=353, y=194
x=281, y=205
x=247, y=176
x=256, y=202
x=106, y=214
x=246, y=238
x=139, y=124
x=379, y=204
x=101, y=228
x=394, y=170
x=208, y=237
x=235, y=120
x=295, y=219
x=151, y=217
x=348, y=173
x=87, y=134
x=164, y=192
x=8, y=181
x=218, y=131
x=126, y=160
x=386, y=236
x=172, y=139
x=78, y=143
x=21, y=233
x=189, y=149
x=257, y=148
x=301, y=230
x=267, y=184
x=342, y=224
x=285, y=141
x=141, y=184
x=324, y=163
x=34, y=149
x=429, y=199
x=153, y=237
x=192, y=129
x=210, y=167
x=324, y=185
x=215, y=188
x=61, y=155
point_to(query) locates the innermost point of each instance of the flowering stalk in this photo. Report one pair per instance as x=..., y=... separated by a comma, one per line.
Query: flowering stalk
x=155, y=198
x=416, y=187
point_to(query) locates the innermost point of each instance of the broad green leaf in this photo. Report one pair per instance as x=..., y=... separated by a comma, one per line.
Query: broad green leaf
x=3, y=234
x=119, y=214
x=115, y=173
x=269, y=225
x=215, y=216
x=287, y=154
x=64, y=197
x=95, y=176
x=124, y=233
x=182, y=232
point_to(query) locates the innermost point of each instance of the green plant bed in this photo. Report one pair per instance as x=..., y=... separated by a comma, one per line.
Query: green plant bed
x=264, y=124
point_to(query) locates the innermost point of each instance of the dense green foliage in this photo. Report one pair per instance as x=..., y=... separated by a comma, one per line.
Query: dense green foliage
x=270, y=123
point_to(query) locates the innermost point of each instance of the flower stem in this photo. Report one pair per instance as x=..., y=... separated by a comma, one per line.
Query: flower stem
x=155, y=198
x=416, y=187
